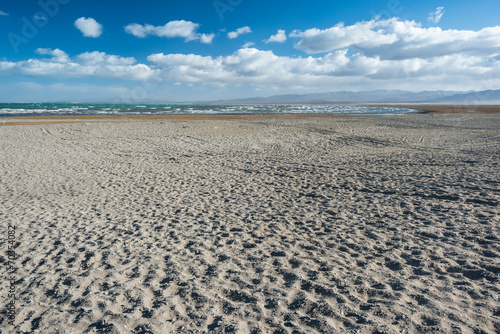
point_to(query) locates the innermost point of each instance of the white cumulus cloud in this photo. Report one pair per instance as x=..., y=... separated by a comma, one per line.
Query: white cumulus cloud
x=89, y=27
x=390, y=53
x=178, y=59
x=362, y=34
x=248, y=44
x=265, y=69
x=280, y=37
x=88, y=64
x=206, y=38
x=238, y=32
x=181, y=28
x=436, y=16
x=58, y=56
x=395, y=39
x=2, y=13
x=97, y=58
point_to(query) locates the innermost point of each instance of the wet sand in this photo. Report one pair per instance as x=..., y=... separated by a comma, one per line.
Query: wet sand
x=307, y=225
x=30, y=120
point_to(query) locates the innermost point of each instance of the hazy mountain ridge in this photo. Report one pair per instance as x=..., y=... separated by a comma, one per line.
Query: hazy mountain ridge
x=343, y=97
x=485, y=95
x=377, y=96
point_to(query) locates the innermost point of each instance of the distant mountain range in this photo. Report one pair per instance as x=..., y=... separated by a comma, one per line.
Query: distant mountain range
x=345, y=97
x=376, y=96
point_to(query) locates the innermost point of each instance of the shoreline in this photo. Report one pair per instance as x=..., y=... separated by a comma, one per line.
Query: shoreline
x=443, y=109
x=426, y=110
x=36, y=120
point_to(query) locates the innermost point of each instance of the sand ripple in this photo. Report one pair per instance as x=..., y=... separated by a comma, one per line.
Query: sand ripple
x=366, y=225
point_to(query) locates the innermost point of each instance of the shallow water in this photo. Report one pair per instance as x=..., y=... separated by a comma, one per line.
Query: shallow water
x=65, y=109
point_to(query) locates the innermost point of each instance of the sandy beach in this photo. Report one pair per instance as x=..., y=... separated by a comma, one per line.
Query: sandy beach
x=299, y=225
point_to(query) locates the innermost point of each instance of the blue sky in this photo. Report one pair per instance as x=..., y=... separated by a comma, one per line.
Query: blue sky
x=133, y=52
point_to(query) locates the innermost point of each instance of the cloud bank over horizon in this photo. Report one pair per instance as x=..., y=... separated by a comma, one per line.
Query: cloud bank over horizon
x=392, y=53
